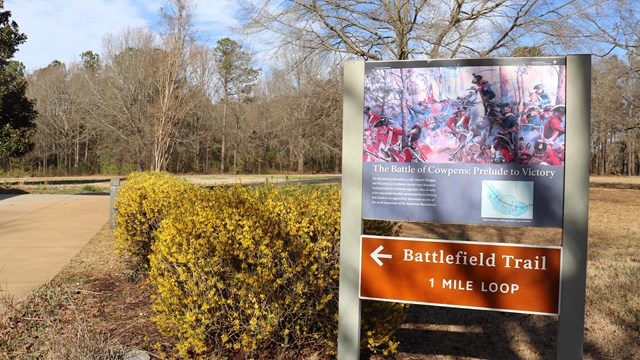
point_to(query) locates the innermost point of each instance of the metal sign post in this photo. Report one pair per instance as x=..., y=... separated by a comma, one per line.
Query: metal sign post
x=576, y=209
x=351, y=225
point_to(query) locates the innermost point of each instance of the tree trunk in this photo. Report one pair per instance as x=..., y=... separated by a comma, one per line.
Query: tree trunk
x=206, y=161
x=300, y=162
x=224, y=134
x=604, y=156
x=157, y=150
x=76, y=159
x=86, y=148
x=235, y=161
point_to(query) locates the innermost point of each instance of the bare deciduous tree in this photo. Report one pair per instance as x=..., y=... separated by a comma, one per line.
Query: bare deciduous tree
x=166, y=101
x=60, y=127
x=124, y=92
x=303, y=97
x=602, y=26
x=402, y=29
x=146, y=93
x=171, y=79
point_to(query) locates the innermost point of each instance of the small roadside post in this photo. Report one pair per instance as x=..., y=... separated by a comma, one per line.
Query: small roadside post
x=113, y=193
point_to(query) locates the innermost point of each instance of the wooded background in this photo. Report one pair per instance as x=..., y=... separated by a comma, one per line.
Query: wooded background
x=172, y=99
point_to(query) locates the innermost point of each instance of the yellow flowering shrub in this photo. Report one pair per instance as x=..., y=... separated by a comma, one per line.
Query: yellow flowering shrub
x=244, y=272
x=251, y=271
x=254, y=272
x=143, y=201
x=380, y=320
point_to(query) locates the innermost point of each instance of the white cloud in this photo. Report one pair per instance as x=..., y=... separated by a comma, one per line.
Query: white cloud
x=63, y=29
x=216, y=17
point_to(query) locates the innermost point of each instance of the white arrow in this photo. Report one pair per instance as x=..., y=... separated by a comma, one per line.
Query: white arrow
x=375, y=255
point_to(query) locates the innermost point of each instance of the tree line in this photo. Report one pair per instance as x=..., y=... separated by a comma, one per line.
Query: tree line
x=168, y=100
x=615, y=116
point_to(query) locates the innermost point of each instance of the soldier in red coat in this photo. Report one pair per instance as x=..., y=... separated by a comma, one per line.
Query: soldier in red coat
x=388, y=141
x=553, y=127
x=459, y=121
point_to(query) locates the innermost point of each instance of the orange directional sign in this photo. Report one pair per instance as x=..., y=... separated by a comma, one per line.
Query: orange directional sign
x=506, y=277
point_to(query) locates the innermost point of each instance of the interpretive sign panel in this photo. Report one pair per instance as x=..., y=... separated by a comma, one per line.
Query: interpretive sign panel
x=492, y=276
x=474, y=141
x=478, y=141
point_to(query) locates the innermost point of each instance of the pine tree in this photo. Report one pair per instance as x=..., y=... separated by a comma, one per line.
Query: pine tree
x=17, y=113
x=237, y=79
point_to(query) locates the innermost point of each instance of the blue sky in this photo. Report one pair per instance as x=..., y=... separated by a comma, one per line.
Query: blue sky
x=63, y=29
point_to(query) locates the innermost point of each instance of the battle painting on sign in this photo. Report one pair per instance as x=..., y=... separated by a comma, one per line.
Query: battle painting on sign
x=479, y=141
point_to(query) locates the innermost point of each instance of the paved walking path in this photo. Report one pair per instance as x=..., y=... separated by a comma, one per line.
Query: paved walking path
x=39, y=234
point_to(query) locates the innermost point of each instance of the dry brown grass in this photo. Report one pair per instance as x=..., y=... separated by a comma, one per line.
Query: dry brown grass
x=612, y=322
x=612, y=179
x=93, y=306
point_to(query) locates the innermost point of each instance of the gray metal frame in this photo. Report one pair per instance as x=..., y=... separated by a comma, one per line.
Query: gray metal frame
x=351, y=225
x=570, y=338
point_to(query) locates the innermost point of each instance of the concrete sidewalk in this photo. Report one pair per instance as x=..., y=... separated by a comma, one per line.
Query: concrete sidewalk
x=39, y=234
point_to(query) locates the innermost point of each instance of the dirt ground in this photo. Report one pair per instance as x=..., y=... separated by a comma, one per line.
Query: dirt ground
x=612, y=322
x=96, y=306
